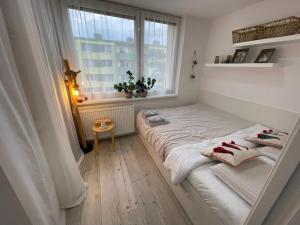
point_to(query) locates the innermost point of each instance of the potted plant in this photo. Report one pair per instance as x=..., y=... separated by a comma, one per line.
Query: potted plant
x=142, y=86
x=128, y=88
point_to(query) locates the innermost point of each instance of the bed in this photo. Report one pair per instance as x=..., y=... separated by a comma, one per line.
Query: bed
x=189, y=125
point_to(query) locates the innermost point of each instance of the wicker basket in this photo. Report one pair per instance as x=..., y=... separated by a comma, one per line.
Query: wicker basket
x=283, y=27
x=278, y=28
x=247, y=34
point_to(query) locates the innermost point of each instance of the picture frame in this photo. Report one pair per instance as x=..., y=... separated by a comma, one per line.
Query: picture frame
x=265, y=55
x=240, y=55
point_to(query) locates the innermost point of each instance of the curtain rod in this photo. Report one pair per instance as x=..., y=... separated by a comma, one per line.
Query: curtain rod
x=135, y=7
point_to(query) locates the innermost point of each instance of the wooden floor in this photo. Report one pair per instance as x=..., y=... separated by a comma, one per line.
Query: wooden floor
x=125, y=188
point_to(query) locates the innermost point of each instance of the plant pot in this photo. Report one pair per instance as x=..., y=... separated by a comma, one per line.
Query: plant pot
x=128, y=94
x=143, y=93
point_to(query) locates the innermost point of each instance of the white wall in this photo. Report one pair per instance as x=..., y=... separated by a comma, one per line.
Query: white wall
x=193, y=36
x=277, y=87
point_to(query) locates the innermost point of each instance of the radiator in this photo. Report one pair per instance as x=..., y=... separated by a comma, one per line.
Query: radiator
x=122, y=117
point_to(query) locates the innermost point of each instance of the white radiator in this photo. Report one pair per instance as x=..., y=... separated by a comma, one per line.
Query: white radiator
x=122, y=117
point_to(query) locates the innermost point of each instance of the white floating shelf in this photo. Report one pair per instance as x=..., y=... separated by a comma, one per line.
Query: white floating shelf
x=245, y=65
x=269, y=41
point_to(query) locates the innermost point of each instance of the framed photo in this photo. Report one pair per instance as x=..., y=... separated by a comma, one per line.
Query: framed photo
x=265, y=55
x=240, y=55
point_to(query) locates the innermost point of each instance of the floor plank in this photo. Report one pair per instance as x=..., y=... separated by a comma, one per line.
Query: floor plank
x=125, y=188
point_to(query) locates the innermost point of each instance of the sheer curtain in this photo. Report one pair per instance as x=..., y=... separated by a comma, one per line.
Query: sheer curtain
x=159, y=42
x=37, y=55
x=111, y=39
x=21, y=153
x=104, y=38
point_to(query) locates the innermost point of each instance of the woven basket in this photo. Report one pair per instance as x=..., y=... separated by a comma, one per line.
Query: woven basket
x=283, y=27
x=247, y=34
x=278, y=28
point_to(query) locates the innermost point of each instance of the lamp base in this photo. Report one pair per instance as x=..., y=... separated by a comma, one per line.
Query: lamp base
x=89, y=147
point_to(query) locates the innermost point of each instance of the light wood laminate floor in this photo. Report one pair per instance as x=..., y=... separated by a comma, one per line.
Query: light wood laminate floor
x=125, y=188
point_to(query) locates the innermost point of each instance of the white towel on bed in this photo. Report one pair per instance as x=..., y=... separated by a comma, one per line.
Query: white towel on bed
x=148, y=113
x=156, y=120
x=183, y=159
x=247, y=179
x=270, y=152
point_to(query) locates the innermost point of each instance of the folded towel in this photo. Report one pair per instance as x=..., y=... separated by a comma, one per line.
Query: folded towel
x=270, y=152
x=149, y=113
x=157, y=123
x=155, y=119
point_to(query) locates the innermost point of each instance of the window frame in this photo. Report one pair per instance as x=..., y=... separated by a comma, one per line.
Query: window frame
x=139, y=16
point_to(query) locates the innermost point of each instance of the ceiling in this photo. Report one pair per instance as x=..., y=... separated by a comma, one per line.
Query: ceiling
x=198, y=8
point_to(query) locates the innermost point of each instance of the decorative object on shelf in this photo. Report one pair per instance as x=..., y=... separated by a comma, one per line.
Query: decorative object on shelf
x=247, y=34
x=228, y=59
x=265, y=55
x=278, y=28
x=240, y=55
x=282, y=27
x=194, y=65
x=217, y=59
x=73, y=92
x=141, y=87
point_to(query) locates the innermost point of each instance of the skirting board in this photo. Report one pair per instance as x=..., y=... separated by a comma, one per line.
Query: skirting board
x=253, y=112
x=196, y=208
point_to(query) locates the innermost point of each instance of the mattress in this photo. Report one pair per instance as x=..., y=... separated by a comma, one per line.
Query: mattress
x=188, y=125
x=221, y=199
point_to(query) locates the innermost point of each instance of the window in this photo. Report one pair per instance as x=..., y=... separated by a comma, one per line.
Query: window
x=158, y=52
x=97, y=63
x=100, y=77
x=111, y=39
x=95, y=47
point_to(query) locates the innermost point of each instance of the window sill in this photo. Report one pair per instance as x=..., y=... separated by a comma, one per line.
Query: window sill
x=123, y=99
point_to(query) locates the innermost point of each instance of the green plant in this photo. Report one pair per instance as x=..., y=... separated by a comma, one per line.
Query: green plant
x=126, y=87
x=141, y=86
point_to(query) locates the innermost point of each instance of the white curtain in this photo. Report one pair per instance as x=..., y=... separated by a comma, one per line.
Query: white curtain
x=111, y=39
x=33, y=38
x=21, y=153
x=103, y=36
x=159, y=40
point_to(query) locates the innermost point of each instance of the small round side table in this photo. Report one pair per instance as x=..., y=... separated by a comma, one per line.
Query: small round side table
x=97, y=129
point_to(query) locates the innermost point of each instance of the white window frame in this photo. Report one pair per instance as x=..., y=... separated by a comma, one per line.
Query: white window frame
x=139, y=16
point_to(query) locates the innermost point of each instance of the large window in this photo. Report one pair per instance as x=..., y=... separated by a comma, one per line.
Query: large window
x=111, y=39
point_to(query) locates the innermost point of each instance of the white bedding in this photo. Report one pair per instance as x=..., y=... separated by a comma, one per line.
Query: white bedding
x=188, y=125
x=183, y=159
x=222, y=200
x=247, y=179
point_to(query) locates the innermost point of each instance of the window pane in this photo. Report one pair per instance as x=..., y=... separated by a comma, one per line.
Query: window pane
x=105, y=48
x=159, y=53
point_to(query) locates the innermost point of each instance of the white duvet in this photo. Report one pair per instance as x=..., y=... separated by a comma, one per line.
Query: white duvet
x=183, y=159
x=248, y=179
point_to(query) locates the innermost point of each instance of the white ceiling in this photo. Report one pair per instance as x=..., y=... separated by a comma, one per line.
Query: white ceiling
x=199, y=8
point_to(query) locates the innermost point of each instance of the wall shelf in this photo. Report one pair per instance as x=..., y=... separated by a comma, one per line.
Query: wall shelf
x=269, y=41
x=245, y=65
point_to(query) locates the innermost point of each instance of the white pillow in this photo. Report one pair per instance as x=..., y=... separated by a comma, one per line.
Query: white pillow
x=248, y=179
x=270, y=138
x=233, y=152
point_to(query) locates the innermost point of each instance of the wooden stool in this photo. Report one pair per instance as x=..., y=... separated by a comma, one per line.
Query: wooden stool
x=97, y=129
